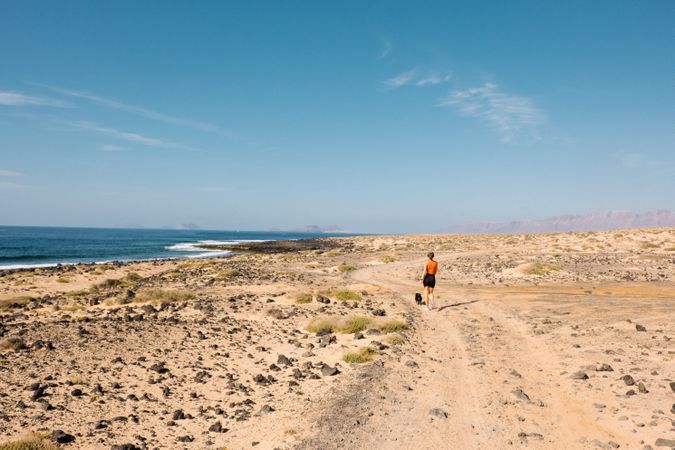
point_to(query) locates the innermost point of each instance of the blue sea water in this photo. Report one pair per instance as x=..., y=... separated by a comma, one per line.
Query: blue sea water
x=45, y=246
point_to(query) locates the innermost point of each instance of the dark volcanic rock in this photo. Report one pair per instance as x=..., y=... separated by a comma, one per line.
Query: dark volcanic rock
x=125, y=447
x=328, y=371
x=217, y=428
x=639, y=327
x=61, y=437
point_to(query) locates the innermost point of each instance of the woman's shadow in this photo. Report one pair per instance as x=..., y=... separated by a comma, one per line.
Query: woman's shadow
x=456, y=304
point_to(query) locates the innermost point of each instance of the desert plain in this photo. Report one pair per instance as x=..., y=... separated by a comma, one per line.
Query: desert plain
x=542, y=341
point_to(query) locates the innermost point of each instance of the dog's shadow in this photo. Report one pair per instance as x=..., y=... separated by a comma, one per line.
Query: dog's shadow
x=454, y=305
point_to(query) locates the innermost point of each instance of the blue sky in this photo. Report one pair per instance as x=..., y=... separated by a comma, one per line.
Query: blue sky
x=371, y=116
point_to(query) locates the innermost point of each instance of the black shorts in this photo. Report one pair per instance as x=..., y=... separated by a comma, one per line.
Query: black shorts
x=429, y=281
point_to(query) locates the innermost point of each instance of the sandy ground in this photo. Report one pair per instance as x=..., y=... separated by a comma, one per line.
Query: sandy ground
x=542, y=341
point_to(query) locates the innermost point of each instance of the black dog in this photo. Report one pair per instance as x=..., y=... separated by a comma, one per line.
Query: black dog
x=418, y=298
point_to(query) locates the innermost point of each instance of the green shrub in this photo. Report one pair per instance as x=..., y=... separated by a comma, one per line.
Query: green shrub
x=133, y=276
x=112, y=283
x=227, y=274
x=541, y=269
x=344, y=294
x=392, y=326
x=360, y=356
x=322, y=324
x=344, y=267
x=387, y=259
x=355, y=324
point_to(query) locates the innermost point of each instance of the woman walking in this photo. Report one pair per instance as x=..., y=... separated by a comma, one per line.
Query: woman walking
x=429, y=281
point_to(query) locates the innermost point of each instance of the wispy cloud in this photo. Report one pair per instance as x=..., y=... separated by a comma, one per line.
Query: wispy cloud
x=10, y=173
x=509, y=114
x=401, y=79
x=415, y=77
x=434, y=78
x=13, y=98
x=124, y=135
x=387, y=48
x=143, y=112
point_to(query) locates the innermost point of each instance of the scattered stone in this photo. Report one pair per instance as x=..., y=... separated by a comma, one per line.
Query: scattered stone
x=642, y=388
x=580, y=375
x=328, y=371
x=412, y=364
x=661, y=442
x=379, y=312
x=61, y=437
x=265, y=410
x=672, y=386
x=640, y=327
x=283, y=360
x=605, y=368
x=185, y=438
x=438, y=413
x=322, y=299
x=628, y=380
x=521, y=395
x=217, y=428
x=125, y=447
x=358, y=335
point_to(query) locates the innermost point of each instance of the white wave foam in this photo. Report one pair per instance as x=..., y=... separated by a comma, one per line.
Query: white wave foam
x=28, y=266
x=194, y=246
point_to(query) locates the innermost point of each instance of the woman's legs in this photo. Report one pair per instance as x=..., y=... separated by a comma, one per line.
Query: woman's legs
x=426, y=295
x=430, y=297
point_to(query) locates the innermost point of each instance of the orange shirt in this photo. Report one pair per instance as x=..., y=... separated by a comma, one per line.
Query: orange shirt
x=431, y=267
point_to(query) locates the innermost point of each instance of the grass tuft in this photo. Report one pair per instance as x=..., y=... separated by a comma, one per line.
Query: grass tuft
x=30, y=442
x=344, y=267
x=112, y=283
x=541, y=269
x=395, y=339
x=322, y=324
x=355, y=324
x=387, y=259
x=392, y=326
x=303, y=297
x=363, y=355
x=343, y=294
x=227, y=274
x=133, y=276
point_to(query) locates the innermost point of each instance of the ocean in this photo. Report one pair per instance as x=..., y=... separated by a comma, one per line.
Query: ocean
x=24, y=247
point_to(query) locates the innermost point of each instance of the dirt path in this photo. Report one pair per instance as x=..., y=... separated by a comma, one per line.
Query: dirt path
x=480, y=364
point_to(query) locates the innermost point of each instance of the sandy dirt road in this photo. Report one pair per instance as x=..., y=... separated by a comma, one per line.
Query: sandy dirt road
x=487, y=361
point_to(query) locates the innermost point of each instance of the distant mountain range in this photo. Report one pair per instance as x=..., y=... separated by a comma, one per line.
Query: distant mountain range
x=609, y=220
